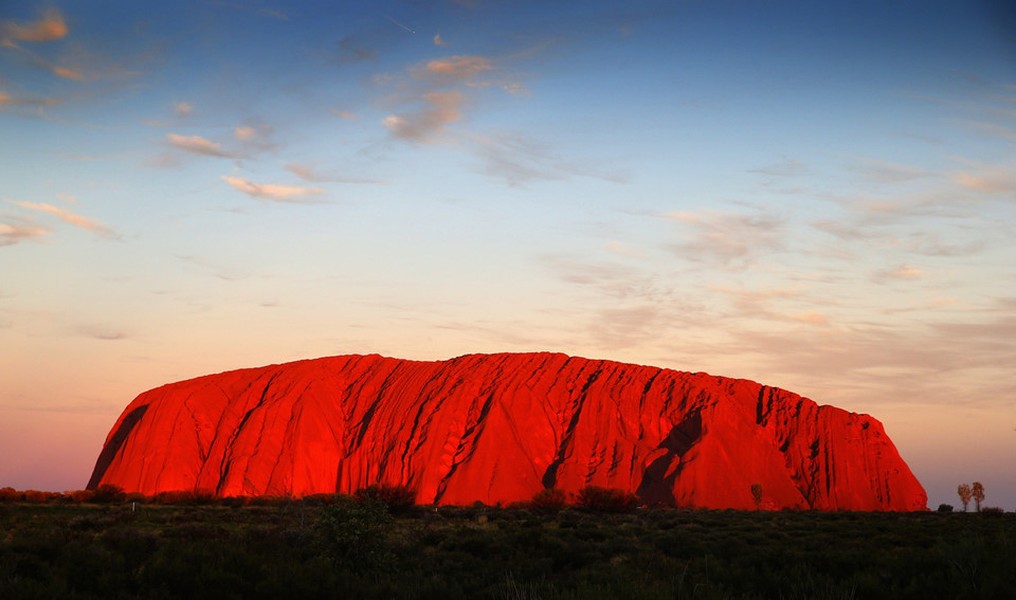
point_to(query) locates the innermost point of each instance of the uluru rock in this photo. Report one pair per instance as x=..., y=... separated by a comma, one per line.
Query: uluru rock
x=499, y=428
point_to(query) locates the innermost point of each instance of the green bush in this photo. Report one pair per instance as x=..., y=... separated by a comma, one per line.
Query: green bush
x=945, y=508
x=354, y=535
x=399, y=499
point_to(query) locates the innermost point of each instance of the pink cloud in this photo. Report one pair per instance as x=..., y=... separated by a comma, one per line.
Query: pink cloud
x=197, y=145
x=458, y=67
x=11, y=234
x=69, y=217
x=444, y=108
x=271, y=191
x=51, y=26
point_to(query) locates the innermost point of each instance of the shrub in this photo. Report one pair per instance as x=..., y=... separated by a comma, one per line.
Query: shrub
x=549, y=500
x=605, y=499
x=80, y=496
x=992, y=511
x=108, y=493
x=945, y=508
x=399, y=499
x=355, y=534
x=38, y=497
x=9, y=494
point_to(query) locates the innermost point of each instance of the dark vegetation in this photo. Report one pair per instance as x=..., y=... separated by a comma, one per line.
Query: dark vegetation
x=375, y=544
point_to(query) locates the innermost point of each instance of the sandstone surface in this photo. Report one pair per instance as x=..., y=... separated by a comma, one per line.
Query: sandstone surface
x=499, y=428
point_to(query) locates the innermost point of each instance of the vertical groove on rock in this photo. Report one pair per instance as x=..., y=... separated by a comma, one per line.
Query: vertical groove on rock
x=550, y=476
x=227, y=454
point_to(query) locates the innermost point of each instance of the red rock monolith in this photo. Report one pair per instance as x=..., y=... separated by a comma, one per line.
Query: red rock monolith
x=498, y=428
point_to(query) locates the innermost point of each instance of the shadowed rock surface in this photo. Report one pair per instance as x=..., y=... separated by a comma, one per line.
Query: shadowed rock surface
x=499, y=428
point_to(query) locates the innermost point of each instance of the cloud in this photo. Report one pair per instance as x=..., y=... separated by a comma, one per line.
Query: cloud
x=345, y=114
x=69, y=198
x=255, y=136
x=67, y=73
x=269, y=191
x=244, y=133
x=69, y=217
x=50, y=26
x=988, y=180
x=37, y=61
x=730, y=238
x=456, y=67
x=515, y=88
x=900, y=273
x=351, y=50
x=8, y=100
x=101, y=332
x=520, y=160
x=787, y=167
x=183, y=109
x=438, y=41
x=13, y=233
x=886, y=172
x=310, y=173
x=443, y=108
x=261, y=11
x=197, y=145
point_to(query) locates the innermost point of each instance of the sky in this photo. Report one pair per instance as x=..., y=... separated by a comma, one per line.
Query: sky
x=814, y=197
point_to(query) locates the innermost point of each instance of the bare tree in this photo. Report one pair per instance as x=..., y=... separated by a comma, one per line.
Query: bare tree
x=965, y=493
x=756, y=495
x=977, y=491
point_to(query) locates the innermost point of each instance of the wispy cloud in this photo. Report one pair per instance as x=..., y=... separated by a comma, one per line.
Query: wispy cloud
x=312, y=174
x=788, y=167
x=990, y=179
x=255, y=136
x=730, y=238
x=519, y=160
x=263, y=11
x=67, y=216
x=903, y=272
x=353, y=50
x=345, y=114
x=443, y=107
x=102, y=332
x=13, y=233
x=438, y=41
x=37, y=61
x=50, y=26
x=292, y=194
x=183, y=109
x=881, y=171
x=8, y=100
x=455, y=67
x=197, y=145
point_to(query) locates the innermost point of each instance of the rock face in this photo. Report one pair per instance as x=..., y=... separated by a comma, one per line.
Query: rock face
x=499, y=428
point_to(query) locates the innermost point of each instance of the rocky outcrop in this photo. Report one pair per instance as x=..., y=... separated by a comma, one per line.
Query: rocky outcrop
x=499, y=428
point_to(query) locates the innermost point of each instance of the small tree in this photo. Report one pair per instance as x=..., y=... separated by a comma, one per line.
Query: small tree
x=965, y=493
x=977, y=491
x=756, y=495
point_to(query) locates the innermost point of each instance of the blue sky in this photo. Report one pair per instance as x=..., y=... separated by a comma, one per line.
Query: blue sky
x=816, y=198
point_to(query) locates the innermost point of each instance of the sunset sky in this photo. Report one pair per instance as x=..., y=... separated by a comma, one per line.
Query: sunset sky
x=821, y=199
